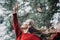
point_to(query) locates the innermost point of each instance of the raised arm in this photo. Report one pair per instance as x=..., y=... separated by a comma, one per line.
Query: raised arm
x=16, y=25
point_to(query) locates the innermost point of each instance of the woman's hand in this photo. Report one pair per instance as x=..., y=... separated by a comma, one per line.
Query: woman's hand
x=15, y=7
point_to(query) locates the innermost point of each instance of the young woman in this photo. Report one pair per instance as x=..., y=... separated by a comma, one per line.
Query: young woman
x=57, y=35
x=26, y=30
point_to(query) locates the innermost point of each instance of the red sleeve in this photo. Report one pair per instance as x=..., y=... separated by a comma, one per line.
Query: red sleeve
x=16, y=25
x=36, y=37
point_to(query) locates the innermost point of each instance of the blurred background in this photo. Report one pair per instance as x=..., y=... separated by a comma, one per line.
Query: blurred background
x=46, y=13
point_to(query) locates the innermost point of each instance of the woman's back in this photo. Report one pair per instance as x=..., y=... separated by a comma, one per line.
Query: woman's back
x=28, y=36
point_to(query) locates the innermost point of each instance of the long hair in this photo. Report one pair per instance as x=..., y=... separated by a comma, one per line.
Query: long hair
x=34, y=28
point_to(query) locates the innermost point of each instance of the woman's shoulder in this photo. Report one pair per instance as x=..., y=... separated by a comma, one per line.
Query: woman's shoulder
x=57, y=34
x=56, y=37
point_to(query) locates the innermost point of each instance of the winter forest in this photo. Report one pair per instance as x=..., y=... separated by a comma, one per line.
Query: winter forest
x=46, y=14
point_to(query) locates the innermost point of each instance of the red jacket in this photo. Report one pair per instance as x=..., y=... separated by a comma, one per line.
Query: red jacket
x=56, y=37
x=18, y=31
